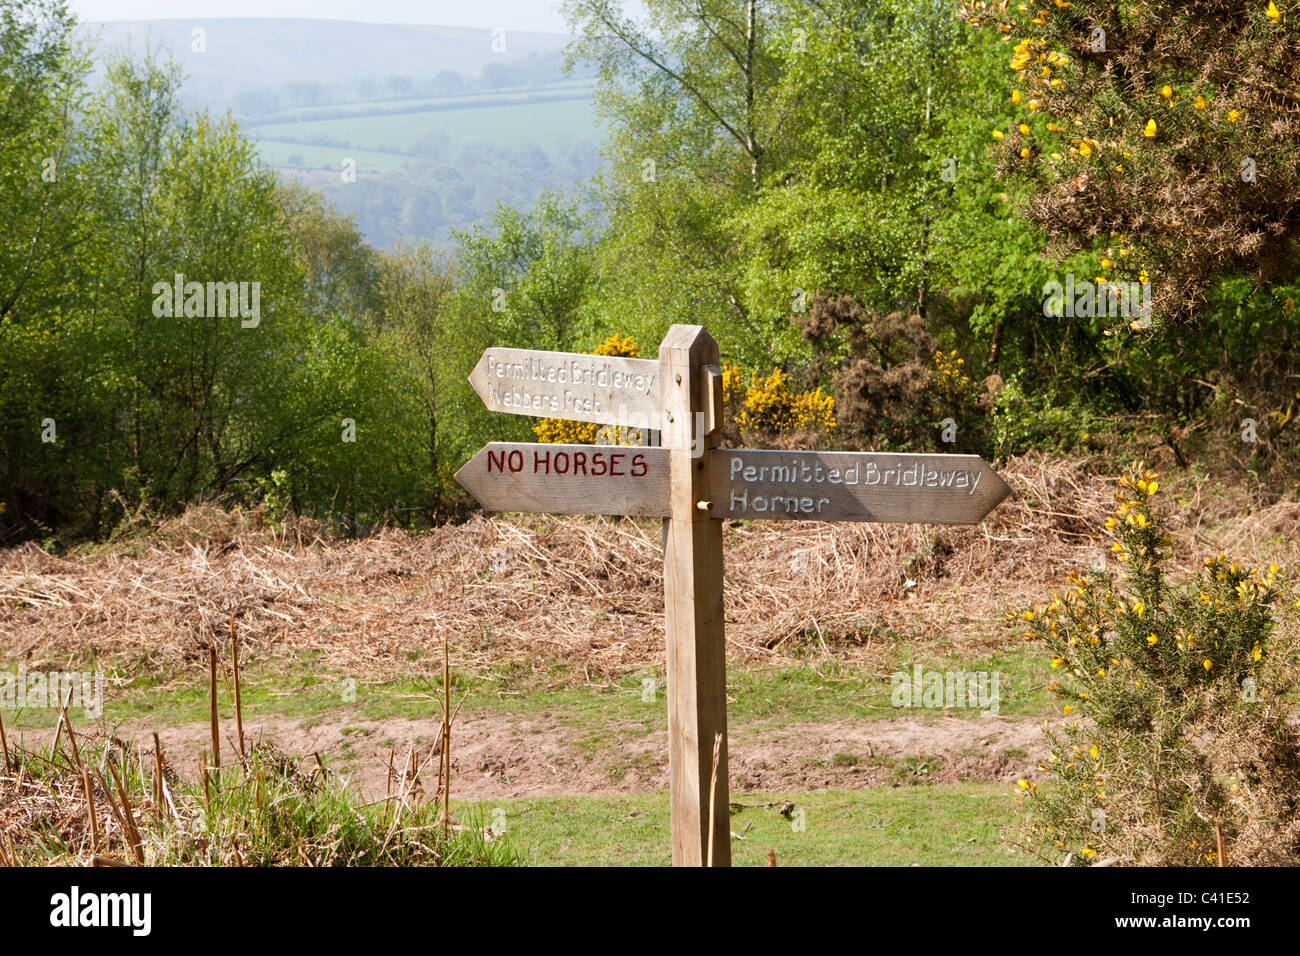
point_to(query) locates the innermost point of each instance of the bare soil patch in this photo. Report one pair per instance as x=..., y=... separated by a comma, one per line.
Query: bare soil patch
x=497, y=757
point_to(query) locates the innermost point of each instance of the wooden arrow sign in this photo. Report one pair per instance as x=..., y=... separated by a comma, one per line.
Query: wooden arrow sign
x=603, y=389
x=853, y=486
x=569, y=479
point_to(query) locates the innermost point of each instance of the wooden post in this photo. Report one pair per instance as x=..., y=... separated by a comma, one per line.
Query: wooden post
x=697, y=682
x=212, y=702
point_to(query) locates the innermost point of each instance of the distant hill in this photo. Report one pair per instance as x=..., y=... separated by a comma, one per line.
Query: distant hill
x=438, y=125
x=243, y=55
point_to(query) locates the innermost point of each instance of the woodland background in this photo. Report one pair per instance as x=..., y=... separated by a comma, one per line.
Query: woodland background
x=862, y=202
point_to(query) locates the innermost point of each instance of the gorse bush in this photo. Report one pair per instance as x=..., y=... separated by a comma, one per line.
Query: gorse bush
x=768, y=409
x=1173, y=122
x=1176, y=724
x=950, y=374
x=761, y=410
x=895, y=386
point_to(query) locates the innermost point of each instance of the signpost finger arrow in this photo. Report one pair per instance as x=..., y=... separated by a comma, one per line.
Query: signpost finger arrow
x=607, y=390
x=853, y=486
x=569, y=479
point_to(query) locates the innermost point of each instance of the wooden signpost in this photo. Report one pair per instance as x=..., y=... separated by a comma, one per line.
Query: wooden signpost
x=693, y=485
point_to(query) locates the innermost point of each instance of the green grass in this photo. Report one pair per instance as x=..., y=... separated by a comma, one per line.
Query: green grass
x=832, y=692
x=947, y=825
x=303, y=687
x=808, y=693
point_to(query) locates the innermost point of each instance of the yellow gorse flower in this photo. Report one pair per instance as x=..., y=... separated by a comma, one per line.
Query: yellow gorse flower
x=559, y=431
x=769, y=405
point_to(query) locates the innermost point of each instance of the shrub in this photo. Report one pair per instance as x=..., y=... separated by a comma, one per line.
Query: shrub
x=1022, y=419
x=894, y=385
x=277, y=501
x=1176, y=725
x=1172, y=122
x=768, y=411
x=765, y=411
x=268, y=809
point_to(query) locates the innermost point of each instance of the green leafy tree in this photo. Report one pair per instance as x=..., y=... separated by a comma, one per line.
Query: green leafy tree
x=688, y=94
x=44, y=388
x=342, y=270
x=526, y=274
x=418, y=290
x=200, y=394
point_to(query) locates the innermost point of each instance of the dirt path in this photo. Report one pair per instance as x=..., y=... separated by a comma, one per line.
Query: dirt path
x=501, y=757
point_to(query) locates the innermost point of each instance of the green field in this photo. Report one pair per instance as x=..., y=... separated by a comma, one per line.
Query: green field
x=304, y=688
x=310, y=156
x=547, y=124
x=475, y=100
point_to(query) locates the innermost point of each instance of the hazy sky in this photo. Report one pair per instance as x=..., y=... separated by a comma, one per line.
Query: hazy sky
x=541, y=15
